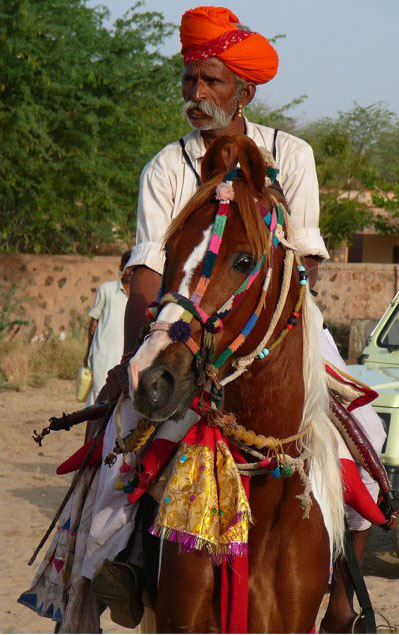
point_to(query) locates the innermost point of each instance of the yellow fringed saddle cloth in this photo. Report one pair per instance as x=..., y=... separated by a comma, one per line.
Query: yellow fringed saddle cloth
x=204, y=505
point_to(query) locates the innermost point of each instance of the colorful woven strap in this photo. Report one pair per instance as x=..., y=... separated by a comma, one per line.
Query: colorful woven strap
x=240, y=339
x=274, y=221
x=210, y=323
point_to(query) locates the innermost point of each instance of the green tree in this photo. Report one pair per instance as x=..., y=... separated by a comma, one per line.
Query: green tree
x=261, y=113
x=355, y=151
x=82, y=110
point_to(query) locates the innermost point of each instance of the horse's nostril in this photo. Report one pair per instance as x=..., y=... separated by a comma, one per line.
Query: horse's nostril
x=157, y=385
x=154, y=392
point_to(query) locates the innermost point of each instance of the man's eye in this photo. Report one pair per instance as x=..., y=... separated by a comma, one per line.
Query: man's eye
x=244, y=263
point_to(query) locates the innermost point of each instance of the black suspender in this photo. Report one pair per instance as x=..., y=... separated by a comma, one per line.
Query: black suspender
x=276, y=184
x=274, y=149
x=188, y=161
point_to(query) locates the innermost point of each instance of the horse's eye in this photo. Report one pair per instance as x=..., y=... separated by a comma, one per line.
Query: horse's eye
x=244, y=263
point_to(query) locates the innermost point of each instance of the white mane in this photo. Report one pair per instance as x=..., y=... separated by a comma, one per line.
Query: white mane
x=320, y=442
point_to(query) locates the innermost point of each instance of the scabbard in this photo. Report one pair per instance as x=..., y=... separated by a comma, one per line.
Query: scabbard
x=97, y=411
x=358, y=444
x=77, y=476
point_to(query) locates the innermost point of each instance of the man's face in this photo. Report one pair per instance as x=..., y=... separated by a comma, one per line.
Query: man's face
x=210, y=94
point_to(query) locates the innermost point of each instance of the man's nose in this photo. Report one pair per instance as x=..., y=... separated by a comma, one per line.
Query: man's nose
x=198, y=91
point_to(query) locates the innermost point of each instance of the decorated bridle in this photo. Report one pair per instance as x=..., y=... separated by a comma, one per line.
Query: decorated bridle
x=180, y=330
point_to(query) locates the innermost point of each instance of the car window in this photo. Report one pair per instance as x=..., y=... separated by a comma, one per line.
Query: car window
x=389, y=336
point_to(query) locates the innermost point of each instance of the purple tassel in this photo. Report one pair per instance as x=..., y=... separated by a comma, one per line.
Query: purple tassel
x=179, y=331
x=188, y=544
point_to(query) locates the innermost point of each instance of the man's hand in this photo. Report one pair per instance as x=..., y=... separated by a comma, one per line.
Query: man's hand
x=117, y=382
x=90, y=334
x=312, y=269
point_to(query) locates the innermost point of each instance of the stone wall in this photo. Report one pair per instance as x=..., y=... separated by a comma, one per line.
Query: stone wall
x=350, y=291
x=55, y=292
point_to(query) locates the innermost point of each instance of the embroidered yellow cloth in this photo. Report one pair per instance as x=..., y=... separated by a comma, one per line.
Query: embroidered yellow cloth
x=204, y=505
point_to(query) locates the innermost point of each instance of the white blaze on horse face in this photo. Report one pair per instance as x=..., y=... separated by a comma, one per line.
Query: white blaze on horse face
x=159, y=340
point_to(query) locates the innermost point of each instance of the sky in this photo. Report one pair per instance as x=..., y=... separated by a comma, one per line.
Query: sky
x=335, y=52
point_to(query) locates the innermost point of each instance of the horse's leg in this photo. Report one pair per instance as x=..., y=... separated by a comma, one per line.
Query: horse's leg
x=289, y=566
x=340, y=612
x=185, y=593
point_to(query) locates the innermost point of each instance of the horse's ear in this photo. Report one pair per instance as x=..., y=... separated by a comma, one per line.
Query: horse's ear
x=251, y=161
x=220, y=158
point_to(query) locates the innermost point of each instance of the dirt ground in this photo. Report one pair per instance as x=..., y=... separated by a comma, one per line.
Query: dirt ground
x=31, y=493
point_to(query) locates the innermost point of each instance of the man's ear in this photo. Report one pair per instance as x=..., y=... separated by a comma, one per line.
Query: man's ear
x=247, y=94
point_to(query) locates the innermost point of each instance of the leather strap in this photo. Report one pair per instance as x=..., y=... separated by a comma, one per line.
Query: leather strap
x=367, y=612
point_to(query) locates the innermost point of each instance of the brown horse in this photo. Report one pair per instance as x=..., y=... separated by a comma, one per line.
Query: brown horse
x=278, y=396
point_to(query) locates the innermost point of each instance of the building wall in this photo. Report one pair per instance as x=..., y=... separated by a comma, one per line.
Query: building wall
x=379, y=248
x=55, y=292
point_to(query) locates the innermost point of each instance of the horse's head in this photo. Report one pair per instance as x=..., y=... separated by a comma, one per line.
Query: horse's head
x=217, y=255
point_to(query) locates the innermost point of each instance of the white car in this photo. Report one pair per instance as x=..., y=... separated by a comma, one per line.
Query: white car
x=379, y=368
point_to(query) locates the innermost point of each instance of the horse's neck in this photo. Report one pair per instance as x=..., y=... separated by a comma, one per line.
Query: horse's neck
x=269, y=397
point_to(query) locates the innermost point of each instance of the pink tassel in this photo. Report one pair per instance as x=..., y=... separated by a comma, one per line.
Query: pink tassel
x=124, y=468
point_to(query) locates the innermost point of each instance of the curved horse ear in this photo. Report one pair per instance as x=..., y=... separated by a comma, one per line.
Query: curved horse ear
x=220, y=158
x=251, y=161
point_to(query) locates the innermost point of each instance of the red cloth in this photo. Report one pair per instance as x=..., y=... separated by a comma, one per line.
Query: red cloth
x=213, y=32
x=75, y=461
x=155, y=458
x=356, y=494
x=234, y=579
x=234, y=574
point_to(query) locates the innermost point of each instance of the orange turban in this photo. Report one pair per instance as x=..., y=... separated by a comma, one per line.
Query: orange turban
x=215, y=32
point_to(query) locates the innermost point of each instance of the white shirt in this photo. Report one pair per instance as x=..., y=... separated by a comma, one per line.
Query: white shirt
x=107, y=344
x=167, y=183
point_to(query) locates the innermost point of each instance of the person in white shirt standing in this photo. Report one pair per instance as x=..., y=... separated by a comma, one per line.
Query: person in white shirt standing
x=105, y=332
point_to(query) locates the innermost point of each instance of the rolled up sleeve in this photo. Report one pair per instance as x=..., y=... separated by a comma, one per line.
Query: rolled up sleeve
x=153, y=217
x=301, y=189
x=309, y=242
x=149, y=254
x=99, y=301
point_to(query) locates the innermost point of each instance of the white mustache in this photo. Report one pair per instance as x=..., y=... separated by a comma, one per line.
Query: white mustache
x=220, y=118
x=205, y=106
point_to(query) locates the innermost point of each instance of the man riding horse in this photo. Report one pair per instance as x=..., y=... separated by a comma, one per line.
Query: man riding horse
x=223, y=63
